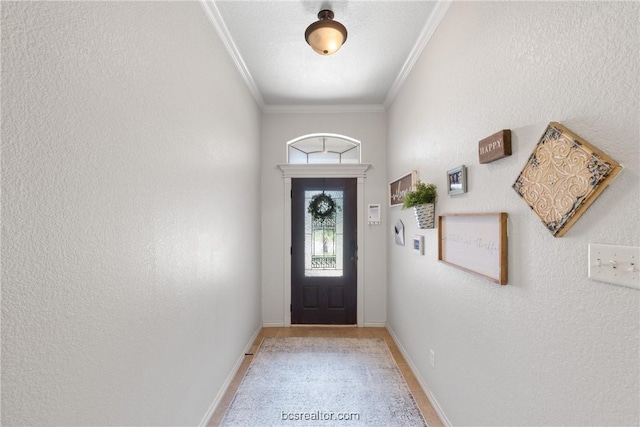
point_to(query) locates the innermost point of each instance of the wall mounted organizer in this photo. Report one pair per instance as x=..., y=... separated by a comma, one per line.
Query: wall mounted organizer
x=399, y=233
x=373, y=214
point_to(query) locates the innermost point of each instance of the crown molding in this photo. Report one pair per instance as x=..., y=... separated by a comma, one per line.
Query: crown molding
x=430, y=27
x=214, y=15
x=323, y=109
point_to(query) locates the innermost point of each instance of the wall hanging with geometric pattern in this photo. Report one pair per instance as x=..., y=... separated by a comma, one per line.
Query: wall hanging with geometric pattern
x=562, y=177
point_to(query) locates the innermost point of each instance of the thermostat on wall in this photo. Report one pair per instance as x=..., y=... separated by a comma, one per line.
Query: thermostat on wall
x=418, y=245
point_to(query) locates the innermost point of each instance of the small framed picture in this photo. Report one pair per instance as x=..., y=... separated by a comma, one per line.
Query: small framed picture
x=457, y=180
x=418, y=245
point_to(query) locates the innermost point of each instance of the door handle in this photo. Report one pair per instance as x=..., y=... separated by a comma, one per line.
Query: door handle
x=354, y=250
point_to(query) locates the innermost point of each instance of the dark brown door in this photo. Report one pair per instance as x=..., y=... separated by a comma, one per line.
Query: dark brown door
x=324, y=253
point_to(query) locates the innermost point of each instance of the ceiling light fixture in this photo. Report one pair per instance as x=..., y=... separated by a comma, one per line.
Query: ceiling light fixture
x=326, y=36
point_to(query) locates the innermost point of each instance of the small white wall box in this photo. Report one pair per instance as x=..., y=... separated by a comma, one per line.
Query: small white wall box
x=373, y=214
x=418, y=245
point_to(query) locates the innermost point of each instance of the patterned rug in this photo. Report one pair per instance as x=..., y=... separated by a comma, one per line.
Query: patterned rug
x=323, y=382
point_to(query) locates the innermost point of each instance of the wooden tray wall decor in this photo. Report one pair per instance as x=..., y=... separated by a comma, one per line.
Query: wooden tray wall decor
x=563, y=177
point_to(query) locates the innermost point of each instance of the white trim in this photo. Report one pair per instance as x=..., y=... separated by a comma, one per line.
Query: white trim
x=323, y=109
x=212, y=408
x=341, y=170
x=330, y=135
x=434, y=403
x=214, y=15
x=375, y=324
x=273, y=324
x=360, y=251
x=430, y=27
x=323, y=171
x=287, y=251
x=357, y=144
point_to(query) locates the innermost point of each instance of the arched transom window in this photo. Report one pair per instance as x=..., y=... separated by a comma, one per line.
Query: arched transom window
x=323, y=148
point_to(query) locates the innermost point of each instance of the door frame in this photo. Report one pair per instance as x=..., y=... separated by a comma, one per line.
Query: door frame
x=290, y=171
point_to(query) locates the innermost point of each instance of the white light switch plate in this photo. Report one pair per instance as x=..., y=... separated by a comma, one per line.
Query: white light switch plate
x=615, y=264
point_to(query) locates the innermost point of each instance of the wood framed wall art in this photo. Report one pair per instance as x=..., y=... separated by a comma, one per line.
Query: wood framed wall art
x=475, y=242
x=563, y=177
x=400, y=187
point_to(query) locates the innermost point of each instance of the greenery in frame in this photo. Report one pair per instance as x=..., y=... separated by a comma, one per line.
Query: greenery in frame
x=422, y=194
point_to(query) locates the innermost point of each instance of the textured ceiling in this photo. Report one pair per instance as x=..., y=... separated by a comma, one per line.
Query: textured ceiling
x=266, y=39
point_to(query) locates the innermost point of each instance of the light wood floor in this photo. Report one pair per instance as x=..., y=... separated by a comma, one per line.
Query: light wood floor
x=337, y=332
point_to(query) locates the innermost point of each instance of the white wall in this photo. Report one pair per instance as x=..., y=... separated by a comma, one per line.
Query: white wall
x=552, y=347
x=127, y=134
x=277, y=130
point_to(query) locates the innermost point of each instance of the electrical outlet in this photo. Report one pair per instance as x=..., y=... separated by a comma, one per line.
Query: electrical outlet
x=432, y=359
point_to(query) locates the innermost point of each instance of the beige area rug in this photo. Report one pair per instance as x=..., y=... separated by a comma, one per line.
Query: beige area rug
x=323, y=382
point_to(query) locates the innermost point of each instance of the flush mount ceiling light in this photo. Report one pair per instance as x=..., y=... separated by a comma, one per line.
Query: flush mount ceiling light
x=326, y=36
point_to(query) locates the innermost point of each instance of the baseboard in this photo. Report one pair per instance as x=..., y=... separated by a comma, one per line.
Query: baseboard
x=423, y=384
x=366, y=325
x=227, y=383
x=273, y=325
x=375, y=324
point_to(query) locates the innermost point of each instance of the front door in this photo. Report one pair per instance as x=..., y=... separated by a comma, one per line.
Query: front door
x=324, y=253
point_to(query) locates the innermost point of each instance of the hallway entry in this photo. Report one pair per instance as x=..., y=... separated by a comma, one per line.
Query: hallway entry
x=324, y=251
